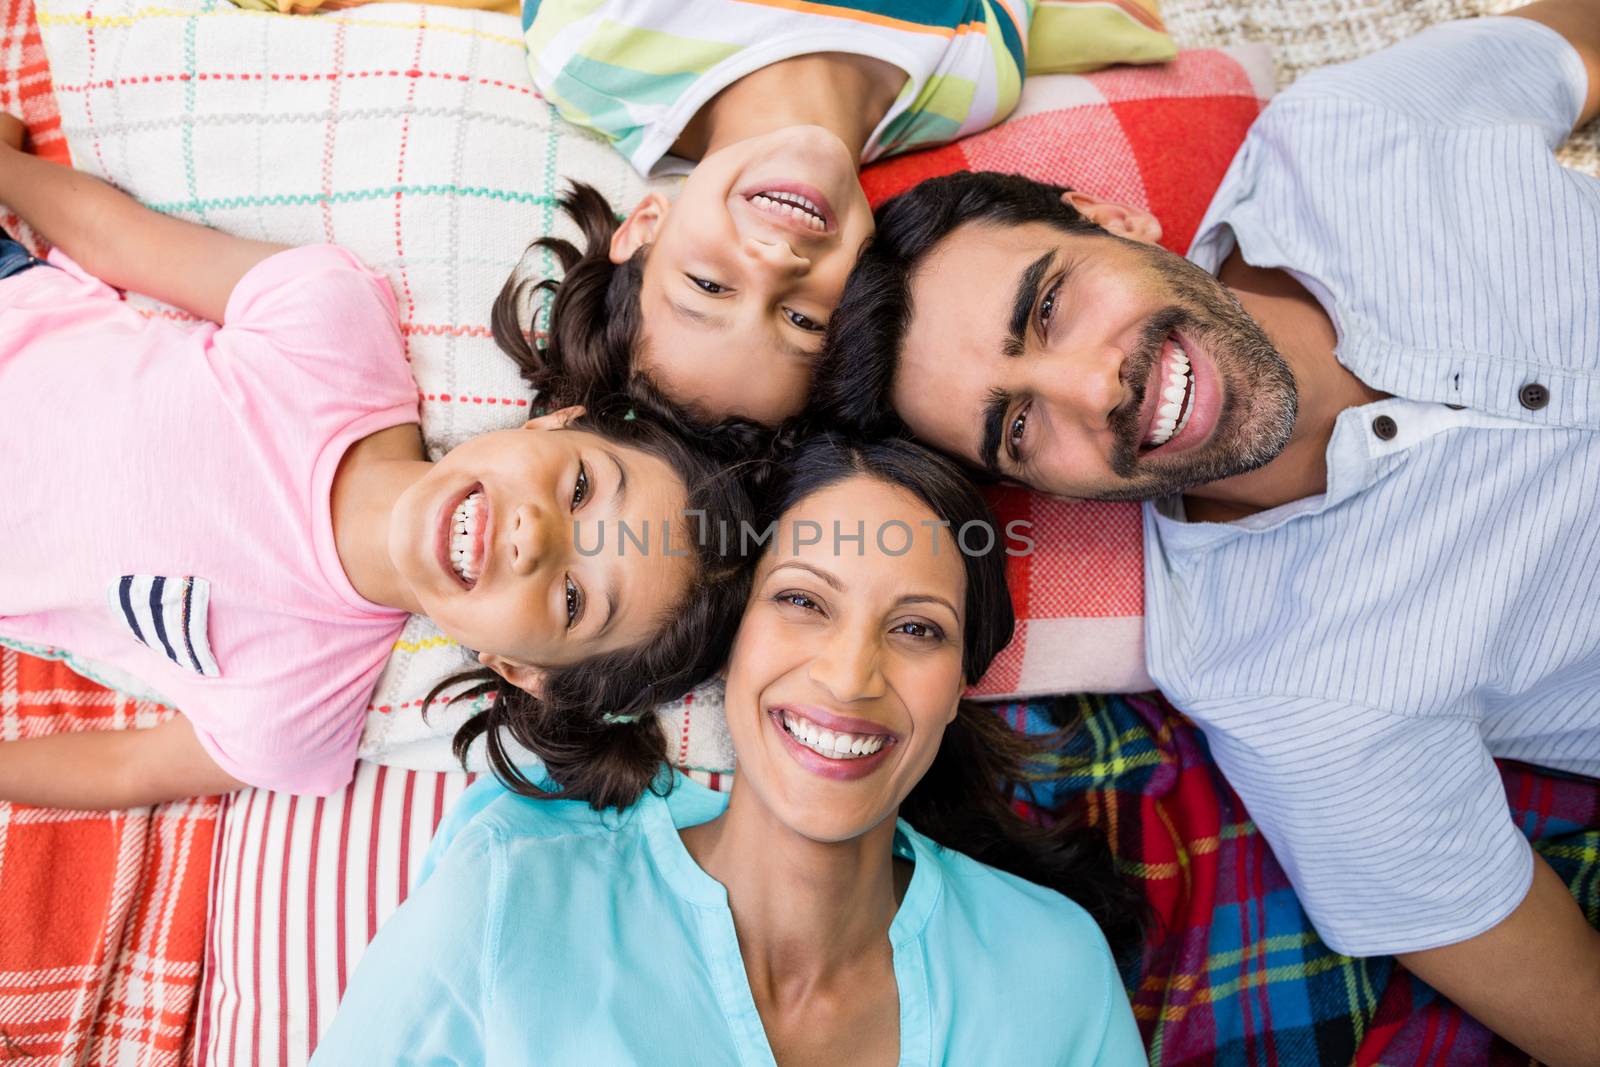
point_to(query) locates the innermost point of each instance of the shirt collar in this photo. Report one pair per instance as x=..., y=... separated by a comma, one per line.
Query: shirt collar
x=1358, y=457
x=689, y=803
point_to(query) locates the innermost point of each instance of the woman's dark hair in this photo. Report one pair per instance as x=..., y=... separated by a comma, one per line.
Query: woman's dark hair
x=966, y=799
x=593, y=724
x=594, y=328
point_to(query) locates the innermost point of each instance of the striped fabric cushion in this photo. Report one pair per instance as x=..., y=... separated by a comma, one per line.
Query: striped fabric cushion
x=299, y=887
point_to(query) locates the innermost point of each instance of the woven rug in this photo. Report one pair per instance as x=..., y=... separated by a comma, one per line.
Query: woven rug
x=1306, y=34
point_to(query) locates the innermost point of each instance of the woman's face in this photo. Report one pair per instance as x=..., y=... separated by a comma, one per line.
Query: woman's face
x=744, y=269
x=511, y=544
x=847, y=666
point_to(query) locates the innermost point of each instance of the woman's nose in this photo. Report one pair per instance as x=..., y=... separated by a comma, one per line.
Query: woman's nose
x=848, y=668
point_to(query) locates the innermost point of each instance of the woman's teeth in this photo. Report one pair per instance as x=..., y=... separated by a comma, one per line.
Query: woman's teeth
x=793, y=205
x=1177, y=400
x=828, y=743
x=464, y=558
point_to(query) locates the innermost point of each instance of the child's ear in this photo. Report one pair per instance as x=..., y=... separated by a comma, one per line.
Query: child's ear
x=524, y=677
x=640, y=227
x=555, y=420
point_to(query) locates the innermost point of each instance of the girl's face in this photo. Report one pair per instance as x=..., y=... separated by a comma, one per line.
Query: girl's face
x=847, y=666
x=744, y=269
x=511, y=544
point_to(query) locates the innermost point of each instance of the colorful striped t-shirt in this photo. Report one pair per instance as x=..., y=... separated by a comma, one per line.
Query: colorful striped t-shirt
x=637, y=71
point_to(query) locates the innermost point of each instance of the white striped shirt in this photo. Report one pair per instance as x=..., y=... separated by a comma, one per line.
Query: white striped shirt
x=1357, y=658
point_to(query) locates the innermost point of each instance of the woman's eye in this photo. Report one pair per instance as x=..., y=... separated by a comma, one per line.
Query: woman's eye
x=921, y=630
x=708, y=285
x=574, y=603
x=805, y=322
x=798, y=600
x=1018, y=427
x=580, y=487
x=1047, y=306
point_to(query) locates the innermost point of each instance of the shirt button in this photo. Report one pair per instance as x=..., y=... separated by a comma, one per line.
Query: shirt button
x=1533, y=396
x=1385, y=428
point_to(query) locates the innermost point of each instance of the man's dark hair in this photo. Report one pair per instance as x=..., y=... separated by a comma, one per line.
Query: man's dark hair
x=861, y=351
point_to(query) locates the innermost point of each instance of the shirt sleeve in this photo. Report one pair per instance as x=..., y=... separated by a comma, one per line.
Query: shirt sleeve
x=1481, y=72
x=418, y=994
x=1394, y=830
x=316, y=299
x=1120, y=1044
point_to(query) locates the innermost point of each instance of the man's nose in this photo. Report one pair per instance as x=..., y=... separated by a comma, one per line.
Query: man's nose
x=1086, y=385
x=530, y=537
x=776, y=259
x=848, y=667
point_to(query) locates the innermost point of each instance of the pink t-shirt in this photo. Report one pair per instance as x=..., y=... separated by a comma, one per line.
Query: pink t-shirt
x=166, y=499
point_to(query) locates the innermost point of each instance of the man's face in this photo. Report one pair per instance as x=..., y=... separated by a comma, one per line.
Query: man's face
x=1087, y=365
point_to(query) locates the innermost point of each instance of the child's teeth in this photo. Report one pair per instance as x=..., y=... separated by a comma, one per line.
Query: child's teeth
x=463, y=526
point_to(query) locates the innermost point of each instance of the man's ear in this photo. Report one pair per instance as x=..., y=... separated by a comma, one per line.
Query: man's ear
x=640, y=227
x=1134, y=223
x=524, y=677
x=554, y=420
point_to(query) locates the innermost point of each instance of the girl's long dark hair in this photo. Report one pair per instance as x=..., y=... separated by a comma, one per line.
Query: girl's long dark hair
x=594, y=327
x=608, y=762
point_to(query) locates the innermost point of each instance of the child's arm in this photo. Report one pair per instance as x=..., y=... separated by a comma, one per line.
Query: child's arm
x=119, y=241
x=102, y=770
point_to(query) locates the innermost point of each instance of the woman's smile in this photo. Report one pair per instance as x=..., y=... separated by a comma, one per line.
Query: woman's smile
x=829, y=744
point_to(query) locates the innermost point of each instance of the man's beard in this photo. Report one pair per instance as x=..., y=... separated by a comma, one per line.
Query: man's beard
x=1258, y=390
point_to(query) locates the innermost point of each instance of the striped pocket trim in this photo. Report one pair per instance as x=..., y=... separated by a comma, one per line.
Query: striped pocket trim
x=168, y=615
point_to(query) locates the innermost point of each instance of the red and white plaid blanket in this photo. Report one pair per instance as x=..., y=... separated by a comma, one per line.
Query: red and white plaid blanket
x=104, y=920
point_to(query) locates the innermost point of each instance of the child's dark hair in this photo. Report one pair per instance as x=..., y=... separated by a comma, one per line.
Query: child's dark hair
x=593, y=724
x=594, y=328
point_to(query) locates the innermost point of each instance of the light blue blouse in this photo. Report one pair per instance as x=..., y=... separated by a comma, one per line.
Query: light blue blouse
x=545, y=932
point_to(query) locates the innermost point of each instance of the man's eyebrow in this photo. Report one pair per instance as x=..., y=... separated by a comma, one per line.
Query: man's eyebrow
x=713, y=322
x=1022, y=304
x=833, y=582
x=995, y=407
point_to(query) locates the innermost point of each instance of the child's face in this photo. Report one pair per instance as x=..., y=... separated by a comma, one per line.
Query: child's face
x=744, y=269
x=513, y=545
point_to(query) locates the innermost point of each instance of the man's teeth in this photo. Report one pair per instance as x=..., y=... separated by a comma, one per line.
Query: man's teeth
x=1177, y=400
x=464, y=559
x=828, y=743
x=795, y=206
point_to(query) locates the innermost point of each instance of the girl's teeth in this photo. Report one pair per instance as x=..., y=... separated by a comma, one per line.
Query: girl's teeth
x=795, y=206
x=464, y=524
